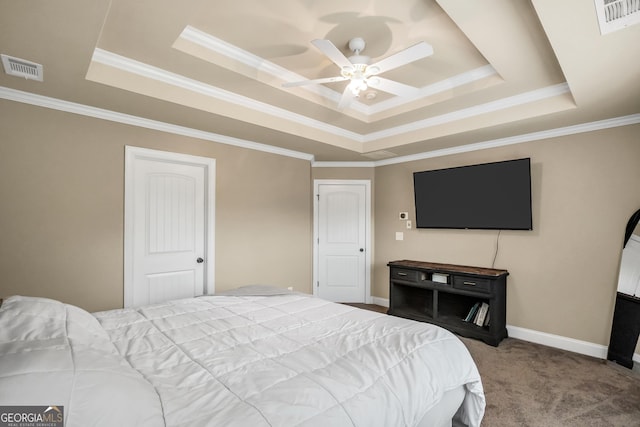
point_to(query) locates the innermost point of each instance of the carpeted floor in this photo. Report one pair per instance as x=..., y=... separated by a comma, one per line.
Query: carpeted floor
x=531, y=385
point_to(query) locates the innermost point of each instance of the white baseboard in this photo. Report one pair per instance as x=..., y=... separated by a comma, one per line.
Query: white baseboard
x=384, y=302
x=564, y=343
x=556, y=341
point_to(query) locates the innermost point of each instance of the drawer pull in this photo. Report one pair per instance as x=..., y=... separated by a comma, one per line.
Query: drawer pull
x=469, y=283
x=402, y=274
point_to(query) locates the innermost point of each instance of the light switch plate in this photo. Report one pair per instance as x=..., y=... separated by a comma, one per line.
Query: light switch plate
x=409, y=224
x=399, y=235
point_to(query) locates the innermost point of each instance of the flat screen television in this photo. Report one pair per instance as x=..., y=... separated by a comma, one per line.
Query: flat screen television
x=486, y=196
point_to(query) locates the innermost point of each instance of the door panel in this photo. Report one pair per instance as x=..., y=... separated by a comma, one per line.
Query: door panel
x=169, y=231
x=341, y=222
x=171, y=213
x=172, y=285
x=342, y=271
x=166, y=242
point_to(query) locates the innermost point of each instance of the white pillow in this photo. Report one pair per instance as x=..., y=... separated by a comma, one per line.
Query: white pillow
x=58, y=354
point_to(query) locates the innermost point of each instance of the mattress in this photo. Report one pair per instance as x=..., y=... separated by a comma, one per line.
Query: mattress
x=276, y=359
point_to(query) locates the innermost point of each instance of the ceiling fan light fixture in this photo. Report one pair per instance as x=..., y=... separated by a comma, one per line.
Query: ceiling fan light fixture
x=347, y=71
x=357, y=85
x=372, y=70
x=373, y=81
x=361, y=75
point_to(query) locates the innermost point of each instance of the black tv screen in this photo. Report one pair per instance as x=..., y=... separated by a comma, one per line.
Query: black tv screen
x=487, y=196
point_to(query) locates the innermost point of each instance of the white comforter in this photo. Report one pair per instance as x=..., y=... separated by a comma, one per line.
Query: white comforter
x=282, y=360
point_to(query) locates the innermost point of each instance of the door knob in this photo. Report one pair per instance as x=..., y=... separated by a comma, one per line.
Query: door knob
x=361, y=249
x=199, y=260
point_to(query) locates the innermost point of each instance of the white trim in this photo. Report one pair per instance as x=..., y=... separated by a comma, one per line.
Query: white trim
x=235, y=53
x=558, y=341
x=145, y=70
x=519, y=139
x=384, y=302
x=343, y=164
x=209, y=164
x=99, y=113
x=476, y=110
x=368, y=230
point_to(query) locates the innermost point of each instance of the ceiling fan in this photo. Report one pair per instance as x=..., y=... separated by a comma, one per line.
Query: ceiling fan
x=361, y=73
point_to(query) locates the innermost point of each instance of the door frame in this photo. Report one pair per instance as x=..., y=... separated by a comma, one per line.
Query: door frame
x=137, y=153
x=368, y=241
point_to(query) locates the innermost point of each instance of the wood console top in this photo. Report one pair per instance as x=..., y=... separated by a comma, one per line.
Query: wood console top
x=449, y=268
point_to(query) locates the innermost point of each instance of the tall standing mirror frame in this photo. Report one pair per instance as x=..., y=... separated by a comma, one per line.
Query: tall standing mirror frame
x=626, y=317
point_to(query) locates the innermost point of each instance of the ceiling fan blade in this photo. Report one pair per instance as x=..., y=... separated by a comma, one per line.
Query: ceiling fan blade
x=347, y=98
x=332, y=52
x=315, y=81
x=391, y=86
x=410, y=54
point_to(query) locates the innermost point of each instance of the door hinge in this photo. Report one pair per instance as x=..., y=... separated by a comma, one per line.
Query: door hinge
x=318, y=284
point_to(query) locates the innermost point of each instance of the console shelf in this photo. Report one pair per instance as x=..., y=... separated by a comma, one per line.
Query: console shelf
x=443, y=294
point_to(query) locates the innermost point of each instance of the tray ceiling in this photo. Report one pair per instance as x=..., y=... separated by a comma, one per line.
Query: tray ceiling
x=499, y=68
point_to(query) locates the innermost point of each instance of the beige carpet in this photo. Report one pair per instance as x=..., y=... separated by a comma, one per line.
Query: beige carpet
x=531, y=385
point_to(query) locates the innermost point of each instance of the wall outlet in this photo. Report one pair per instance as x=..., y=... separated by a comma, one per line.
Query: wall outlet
x=409, y=224
x=399, y=235
x=404, y=215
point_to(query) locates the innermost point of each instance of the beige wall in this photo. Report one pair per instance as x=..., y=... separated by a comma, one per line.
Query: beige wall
x=563, y=273
x=61, y=215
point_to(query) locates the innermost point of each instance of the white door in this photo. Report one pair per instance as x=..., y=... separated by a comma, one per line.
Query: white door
x=168, y=251
x=342, y=236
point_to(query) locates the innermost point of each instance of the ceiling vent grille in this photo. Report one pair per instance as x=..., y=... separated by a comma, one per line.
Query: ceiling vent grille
x=617, y=14
x=22, y=68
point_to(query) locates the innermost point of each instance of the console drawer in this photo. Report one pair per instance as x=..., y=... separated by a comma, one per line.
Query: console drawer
x=404, y=274
x=472, y=284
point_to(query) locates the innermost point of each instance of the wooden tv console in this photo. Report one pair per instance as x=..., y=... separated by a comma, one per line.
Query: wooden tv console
x=443, y=294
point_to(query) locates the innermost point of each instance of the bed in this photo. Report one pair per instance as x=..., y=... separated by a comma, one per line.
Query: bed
x=257, y=356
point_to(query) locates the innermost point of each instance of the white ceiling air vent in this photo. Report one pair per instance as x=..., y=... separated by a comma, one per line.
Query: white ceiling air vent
x=21, y=68
x=617, y=14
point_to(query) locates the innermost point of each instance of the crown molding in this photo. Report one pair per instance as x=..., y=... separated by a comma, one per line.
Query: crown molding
x=343, y=164
x=221, y=47
x=99, y=113
x=145, y=70
x=476, y=110
x=148, y=71
x=519, y=139
x=235, y=53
